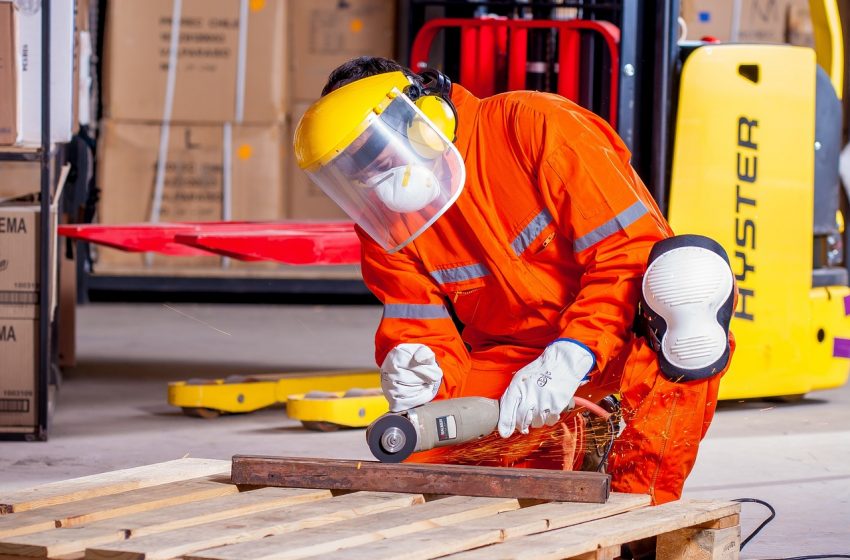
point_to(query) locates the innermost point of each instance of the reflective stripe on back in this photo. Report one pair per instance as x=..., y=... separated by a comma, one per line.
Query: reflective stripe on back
x=619, y=222
x=415, y=311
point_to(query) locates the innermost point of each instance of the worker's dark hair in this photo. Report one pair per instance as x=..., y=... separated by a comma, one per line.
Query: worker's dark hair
x=363, y=67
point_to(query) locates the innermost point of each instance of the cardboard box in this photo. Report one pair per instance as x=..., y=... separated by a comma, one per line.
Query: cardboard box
x=19, y=179
x=19, y=250
x=326, y=33
x=762, y=21
x=305, y=199
x=709, y=18
x=216, y=78
x=18, y=366
x=10, y=108
x=737, y=21
x=799, y=29
x=61, y=70
x=193, y=181
x=20, y=234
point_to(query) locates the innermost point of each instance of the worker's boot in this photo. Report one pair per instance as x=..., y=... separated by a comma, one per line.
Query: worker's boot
x=688, y=297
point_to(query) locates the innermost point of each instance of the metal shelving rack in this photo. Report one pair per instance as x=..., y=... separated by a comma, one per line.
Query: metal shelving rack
x=44, y=155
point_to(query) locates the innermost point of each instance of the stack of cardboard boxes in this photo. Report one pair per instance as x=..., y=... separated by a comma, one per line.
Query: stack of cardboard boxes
x=21, y=99
x=200, y=106
x=324, y=34
x=194, y=101
x=19, y=294
x=18, y=315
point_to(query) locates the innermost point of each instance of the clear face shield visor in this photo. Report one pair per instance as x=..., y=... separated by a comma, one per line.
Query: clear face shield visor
x=396, y=177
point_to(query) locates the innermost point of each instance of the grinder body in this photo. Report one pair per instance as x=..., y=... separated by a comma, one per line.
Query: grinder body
x=453, y=421
x=394, y=436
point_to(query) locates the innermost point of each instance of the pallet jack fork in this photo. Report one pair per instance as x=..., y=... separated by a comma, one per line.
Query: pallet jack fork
x=209, y=398
x=329, y=411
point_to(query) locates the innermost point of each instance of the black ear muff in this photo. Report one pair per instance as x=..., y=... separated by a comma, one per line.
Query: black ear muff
x=436, y=83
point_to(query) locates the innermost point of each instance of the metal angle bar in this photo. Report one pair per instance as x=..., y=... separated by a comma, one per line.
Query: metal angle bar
x=463, y=480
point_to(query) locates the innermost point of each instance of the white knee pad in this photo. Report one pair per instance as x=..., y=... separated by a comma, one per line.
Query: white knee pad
x=688, y=299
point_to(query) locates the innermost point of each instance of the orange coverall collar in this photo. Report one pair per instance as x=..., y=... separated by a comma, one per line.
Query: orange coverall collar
x=466, y=106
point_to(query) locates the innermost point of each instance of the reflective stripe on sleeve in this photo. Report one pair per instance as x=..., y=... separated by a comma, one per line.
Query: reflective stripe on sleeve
x=531, y=231
x=619, y=222
x=415, y=311
x=459, y=273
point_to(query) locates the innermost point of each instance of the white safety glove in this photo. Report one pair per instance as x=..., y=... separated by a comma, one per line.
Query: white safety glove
x=540, y=391
x=410, y=376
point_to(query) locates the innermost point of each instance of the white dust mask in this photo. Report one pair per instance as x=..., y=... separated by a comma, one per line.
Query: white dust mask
x=407, y=188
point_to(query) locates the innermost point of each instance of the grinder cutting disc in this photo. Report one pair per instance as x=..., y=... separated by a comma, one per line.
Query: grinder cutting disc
x=391, y=438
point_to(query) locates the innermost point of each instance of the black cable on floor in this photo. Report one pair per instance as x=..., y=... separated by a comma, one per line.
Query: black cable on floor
x=763, y=523
x=814, y=557
x=768, y=520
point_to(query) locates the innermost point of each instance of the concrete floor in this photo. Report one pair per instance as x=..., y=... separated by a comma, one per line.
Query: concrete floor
x=111, y=413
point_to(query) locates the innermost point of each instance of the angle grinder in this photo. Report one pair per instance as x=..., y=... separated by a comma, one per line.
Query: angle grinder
x=395, y=436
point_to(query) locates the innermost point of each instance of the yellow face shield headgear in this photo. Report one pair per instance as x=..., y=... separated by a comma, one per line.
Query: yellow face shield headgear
x=375, y=151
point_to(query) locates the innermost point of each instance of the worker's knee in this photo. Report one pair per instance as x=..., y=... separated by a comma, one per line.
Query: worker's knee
x=687, y=301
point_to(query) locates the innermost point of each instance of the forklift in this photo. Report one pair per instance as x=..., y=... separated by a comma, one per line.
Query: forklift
x=738, y=142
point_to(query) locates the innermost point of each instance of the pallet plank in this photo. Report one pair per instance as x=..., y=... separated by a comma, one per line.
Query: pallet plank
x=345, y=534
x=489, y=530
x=115, y=505
x=555, y=515
x=110, y=483
x=604, y=533
x=71, y=557
x=251, y=527
x=495, y=482
x=423, y=545
x=60, y=541
x=76, y=556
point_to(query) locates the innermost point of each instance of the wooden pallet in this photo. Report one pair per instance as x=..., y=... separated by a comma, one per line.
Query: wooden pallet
x=189, y=509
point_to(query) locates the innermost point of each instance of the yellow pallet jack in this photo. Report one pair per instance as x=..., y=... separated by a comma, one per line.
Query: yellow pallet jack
x=209, y=398
x=329, y=411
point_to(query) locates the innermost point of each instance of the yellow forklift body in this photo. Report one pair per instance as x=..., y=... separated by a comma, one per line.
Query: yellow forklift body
x=743, y=174
x=829, y=41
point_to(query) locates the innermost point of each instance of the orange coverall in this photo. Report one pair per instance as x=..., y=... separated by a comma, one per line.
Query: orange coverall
x=548, y=240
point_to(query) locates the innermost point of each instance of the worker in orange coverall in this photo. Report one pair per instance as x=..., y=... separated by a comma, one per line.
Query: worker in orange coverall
x=511, y=243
